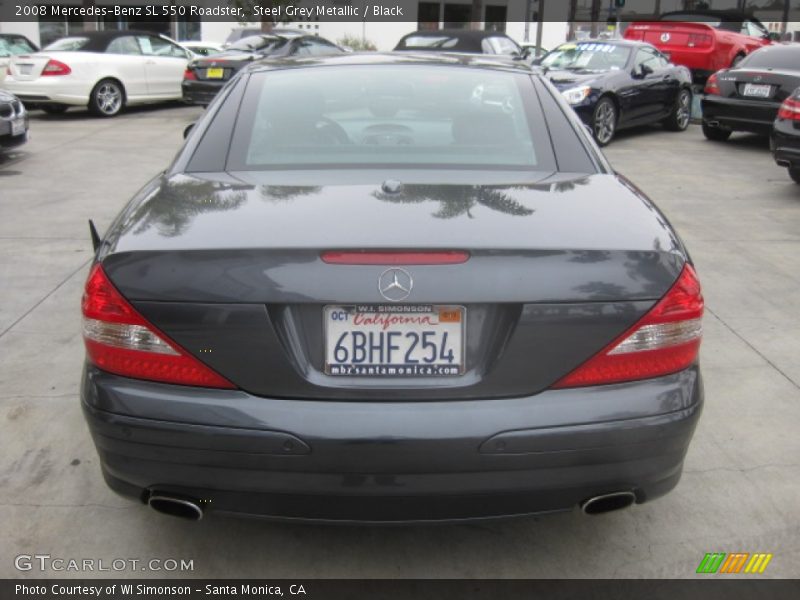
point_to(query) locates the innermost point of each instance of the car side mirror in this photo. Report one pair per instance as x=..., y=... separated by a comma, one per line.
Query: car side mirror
x=187, y=130
x=642, y=71
x=538, y=60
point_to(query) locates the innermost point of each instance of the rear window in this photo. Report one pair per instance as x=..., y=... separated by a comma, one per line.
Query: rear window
x=256, y=42
x=68, y=44
x=775, y=57
x=362, y=116
x=13, y=45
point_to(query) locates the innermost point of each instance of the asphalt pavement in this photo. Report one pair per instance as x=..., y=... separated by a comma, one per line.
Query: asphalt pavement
x=739, y=215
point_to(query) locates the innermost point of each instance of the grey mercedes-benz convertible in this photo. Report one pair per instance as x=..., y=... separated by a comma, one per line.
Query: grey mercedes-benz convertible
x=386, y=288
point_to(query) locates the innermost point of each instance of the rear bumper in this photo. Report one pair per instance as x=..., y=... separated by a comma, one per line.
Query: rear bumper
x=391, y=461
x=785, y=144
x=200, y=92
x=49, y=90
x=740, y=115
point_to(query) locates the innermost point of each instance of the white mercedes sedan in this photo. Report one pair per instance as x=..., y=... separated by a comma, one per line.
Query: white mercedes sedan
x=103, y=71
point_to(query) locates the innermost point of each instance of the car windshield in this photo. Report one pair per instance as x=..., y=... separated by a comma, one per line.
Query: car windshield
x=774, y=57
x=389, y=115
x=588, y=56
x=68, y=44
x=256, y=42
x=13, y=45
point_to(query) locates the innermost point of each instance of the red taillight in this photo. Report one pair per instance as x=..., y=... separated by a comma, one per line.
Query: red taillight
x=712, y=85
x=189, y=74
x=790, y=109
x=56, y=67
x=664, y=341
x=357, y=257
x=120, y=340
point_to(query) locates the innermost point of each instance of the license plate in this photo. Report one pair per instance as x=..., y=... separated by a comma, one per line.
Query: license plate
x=17, y=127
x=25, y=69
x=394, y=341
x=215, y=73
x=760, y=91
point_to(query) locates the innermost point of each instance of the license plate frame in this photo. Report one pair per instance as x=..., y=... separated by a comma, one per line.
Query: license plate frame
x=449, y=319
x=25, y=68
x=757, y=90
x=17, y=126
x=215, y=73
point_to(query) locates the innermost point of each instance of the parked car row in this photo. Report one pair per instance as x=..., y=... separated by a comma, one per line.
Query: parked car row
x=610, y=84
x=759, y=95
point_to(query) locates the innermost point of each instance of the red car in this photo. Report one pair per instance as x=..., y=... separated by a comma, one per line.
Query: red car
x=704, y=41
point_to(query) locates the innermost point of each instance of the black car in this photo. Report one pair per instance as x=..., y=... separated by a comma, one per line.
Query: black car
x=385, y=287
x=205, y=76
x=459, y=40
x=615, y=84
x=13, y=121
x=747, y=97
x=785, y=138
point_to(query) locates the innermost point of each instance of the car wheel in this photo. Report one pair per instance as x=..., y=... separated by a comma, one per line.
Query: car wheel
x=107, y=98
x=794, y=173
x=715, y=134
x=604, y=121
x=681, y=114
x=54, y=109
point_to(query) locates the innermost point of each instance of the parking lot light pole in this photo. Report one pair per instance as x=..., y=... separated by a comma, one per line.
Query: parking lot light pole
x=539, y=26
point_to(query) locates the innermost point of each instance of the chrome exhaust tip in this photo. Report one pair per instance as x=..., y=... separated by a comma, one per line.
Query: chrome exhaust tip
x=175, y=506
x=604, y=503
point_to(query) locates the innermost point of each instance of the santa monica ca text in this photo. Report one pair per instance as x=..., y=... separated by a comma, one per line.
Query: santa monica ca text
x=140, y=589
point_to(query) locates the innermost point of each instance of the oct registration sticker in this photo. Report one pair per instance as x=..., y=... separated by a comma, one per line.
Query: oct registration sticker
x=394, y=341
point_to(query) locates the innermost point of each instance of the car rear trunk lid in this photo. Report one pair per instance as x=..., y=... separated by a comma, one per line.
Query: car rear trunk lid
x=234, y=273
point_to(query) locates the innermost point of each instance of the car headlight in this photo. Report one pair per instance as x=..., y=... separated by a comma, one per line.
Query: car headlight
x=576, y=95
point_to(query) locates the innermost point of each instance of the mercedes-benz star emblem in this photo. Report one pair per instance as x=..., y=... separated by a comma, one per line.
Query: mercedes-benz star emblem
x=665, y=37
x=395, y=284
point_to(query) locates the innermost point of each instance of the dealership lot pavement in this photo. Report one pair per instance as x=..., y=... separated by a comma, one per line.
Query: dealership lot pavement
x=737, y=211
